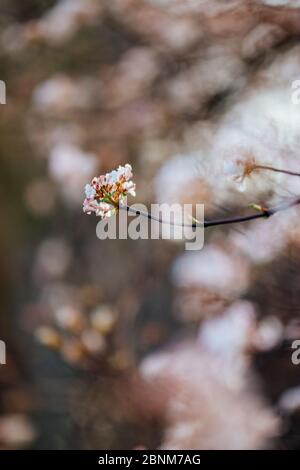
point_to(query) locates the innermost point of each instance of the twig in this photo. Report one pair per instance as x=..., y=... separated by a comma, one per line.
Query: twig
x=265, y=213
x=276, y=170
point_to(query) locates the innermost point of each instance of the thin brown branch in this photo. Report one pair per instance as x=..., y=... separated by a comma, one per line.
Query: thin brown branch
x=276, y=170
x=264, y=213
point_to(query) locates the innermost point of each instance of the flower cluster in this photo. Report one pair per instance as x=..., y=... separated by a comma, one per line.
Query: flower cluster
x=106, y=192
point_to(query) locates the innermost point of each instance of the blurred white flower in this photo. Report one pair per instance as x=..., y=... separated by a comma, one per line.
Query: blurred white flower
x=191, y=88
x=103, y=319
x=93, y=341
x=65, y=18
x=61, y=93
x=210, y=403
x=48, y=336
x=290, y=400
x=207, y=280
x=71, y=167
x=16, y=431
x=52, y=259
x=269, y=333
x=188, y=178
x=212, y=268
x=262, y=242
x=69, y=318
x=231, y=333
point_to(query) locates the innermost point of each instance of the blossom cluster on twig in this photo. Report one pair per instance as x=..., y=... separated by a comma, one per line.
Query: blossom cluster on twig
x=107, y=193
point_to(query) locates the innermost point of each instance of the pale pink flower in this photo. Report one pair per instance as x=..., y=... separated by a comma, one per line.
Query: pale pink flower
x=106, y=192
x=90, y=205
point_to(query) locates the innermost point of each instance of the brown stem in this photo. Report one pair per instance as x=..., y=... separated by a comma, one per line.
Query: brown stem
x=226, y=221
x=276, y=170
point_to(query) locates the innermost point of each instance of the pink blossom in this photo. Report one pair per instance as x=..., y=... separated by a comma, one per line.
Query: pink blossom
x=106, y=192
